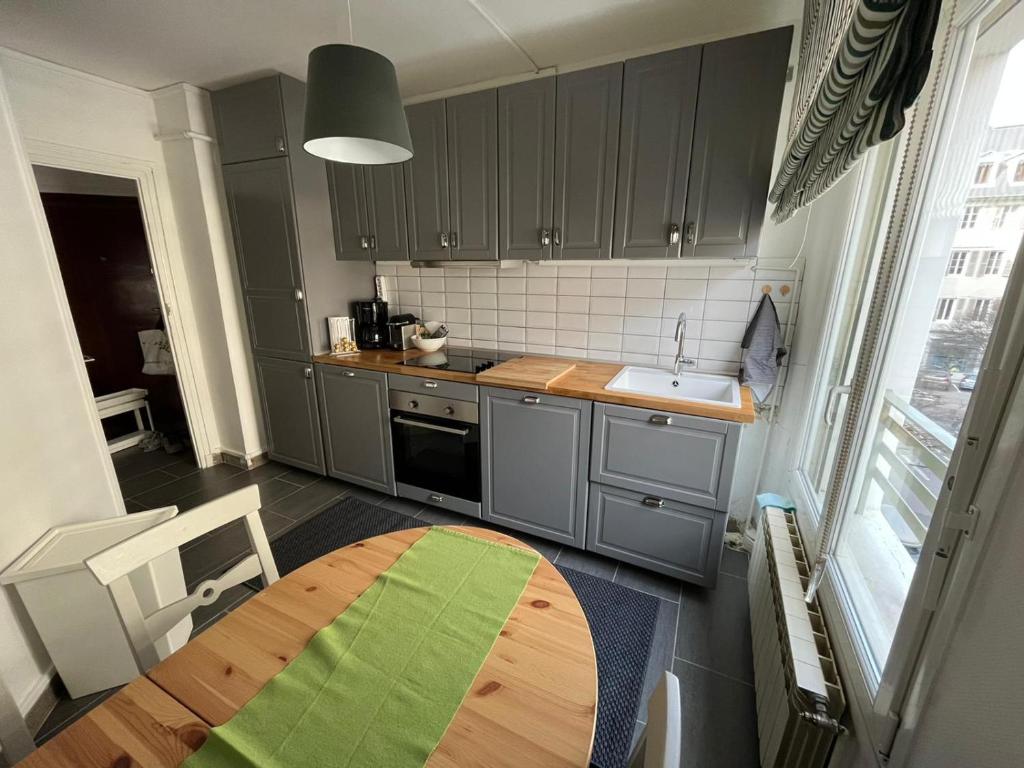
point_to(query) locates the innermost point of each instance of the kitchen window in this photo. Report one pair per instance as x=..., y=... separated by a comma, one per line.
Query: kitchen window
x=970, y=218
x=957, y=263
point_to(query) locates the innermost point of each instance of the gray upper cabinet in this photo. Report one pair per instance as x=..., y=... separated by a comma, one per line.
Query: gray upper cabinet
x=472, y=126
x=348, y=212
x=526, y=158
x=426, y=183
x=534, y=463
x=261, y=211
x=368, y=210
x=587, y=147
x=288, y=395
x=354, y=411
x=659, y=102
x=741, y=84
x=385, y=204
x=250, y=121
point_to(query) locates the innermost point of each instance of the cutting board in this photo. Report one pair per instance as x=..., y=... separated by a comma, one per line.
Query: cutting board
x=533, y=372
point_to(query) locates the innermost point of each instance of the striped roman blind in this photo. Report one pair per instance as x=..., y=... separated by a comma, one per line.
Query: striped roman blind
x=862, y=65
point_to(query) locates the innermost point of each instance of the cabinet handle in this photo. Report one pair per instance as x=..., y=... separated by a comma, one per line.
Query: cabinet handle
x=435, y=498
x=279, y=143
x=691, y=233
x=373, y=242
x=430, y=384
x=673, y=234
x=531, y=399
x=653, y=501
x=556, y=233
x=454, y=236
x=444, y=239
x=660, y=420
x=545, y=237
x=350, y=374
x=364, y=242
x=307, y=372
x=299, y=295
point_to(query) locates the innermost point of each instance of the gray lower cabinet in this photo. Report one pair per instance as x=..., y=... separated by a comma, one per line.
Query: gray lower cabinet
x=586, y=152
x=684, y=458
x=659, y=102
x=677, y=539
x=262, y=215
x=354, y=412
x=534, y=463
x=732, y=157
x=526, y=158
x=288, y=395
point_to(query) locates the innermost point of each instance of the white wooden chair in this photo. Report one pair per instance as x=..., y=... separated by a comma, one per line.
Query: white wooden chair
x=113, y=567
x=16, y=741
x=661, y=743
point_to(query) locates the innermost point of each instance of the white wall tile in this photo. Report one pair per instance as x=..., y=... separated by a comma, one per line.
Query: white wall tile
x=726, y=310
x=608, y=286
x=607, y=305
x=408, y=283
x=682, y=271
x=540, y=349
x=540, y=336
x=483, y=300
x=573, y=286
x=434, y=284
x=512, y=301
x=607, y=355
x=485, y=316
x=457, y=299
x=513, y=346
x=453, y=315
x=647, y=271
x=384, y=268
x=409, y=297
x=729, y=290
x=644, y=307
x=433, y=299
x=686, y=289
x=485, y=332
x=511, y=284
x=645, y=288
x=575, y=339
x=573, y=270
x=540, y=285
x=633, y=357
x=645, y=344
x=483, y=284
x=506, y=333
x=606, y=323
x=642, y=326
x=579, y=304
x=571, y=321
x=456, y=284
x=732, y=273
x=723, y=330
x=540, y=319
x=512, y=318
x=719, y=350
x=673, y=307
x=542, y=303
x=608, y=270
x=611, y=342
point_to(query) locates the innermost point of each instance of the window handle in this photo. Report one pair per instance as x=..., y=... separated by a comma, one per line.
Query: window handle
x=832, y=402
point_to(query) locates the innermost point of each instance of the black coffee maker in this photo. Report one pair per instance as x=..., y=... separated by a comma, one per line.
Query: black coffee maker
x=371, y=323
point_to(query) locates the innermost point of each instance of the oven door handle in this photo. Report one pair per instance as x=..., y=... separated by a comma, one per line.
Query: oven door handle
x=436, y=427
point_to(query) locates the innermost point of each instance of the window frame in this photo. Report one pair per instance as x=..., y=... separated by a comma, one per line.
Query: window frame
x=957, y=264
x=983, y=174
x=991, y=254
x=972, y=212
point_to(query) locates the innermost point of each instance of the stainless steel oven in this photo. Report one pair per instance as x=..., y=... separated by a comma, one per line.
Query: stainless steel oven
x=436, y=445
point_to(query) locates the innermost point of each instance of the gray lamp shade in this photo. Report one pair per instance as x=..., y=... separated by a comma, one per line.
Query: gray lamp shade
x=354, y=113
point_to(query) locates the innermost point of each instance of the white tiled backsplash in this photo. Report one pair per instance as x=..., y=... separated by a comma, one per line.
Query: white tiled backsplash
x=621, y=311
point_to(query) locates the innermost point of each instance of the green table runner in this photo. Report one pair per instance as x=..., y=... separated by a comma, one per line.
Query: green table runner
x=380, y=684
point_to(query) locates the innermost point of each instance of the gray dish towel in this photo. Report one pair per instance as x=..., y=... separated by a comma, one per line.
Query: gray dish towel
x=764, y=345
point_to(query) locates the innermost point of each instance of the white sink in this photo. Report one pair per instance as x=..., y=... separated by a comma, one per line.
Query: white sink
x=692, y=387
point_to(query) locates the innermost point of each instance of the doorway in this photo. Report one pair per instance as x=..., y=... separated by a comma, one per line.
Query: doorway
x=99, y=235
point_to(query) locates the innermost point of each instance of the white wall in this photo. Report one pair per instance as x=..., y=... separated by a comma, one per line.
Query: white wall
x=54, y=467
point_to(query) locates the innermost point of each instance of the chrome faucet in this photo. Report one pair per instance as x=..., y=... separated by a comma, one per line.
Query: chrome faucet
x=680, y=340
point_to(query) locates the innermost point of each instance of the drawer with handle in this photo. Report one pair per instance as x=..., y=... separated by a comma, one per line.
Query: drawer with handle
x=664, y=455
x=452, y=390
x=677, y=539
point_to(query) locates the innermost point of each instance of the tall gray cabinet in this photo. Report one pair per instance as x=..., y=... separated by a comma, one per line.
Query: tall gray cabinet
x=291, y=281
x=451, y=182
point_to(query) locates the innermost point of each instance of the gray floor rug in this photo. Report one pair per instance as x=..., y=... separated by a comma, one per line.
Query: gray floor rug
x=621, y=620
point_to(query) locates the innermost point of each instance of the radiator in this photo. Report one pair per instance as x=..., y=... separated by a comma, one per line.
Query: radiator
x=799, y=697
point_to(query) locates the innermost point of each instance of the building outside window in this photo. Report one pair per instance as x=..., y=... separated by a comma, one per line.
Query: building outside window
x=993, y=263
x=999, y=217
x=944, y=309
x=970, y=217
x=983, y=175
x=957, y=263
x=1018, y=172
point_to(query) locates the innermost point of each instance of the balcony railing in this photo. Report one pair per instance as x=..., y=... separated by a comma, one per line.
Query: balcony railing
x=905, y=470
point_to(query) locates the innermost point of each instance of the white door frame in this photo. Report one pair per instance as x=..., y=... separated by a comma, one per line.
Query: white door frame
x=144, y=174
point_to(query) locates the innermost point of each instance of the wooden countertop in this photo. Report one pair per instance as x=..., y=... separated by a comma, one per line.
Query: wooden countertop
x=586, y=381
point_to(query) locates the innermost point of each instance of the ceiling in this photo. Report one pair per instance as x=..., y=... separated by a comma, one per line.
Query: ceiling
x=435, y=44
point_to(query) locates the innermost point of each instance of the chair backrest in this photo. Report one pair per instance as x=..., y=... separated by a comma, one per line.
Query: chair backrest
x=15, y=739
x=113, y=567
x=661, y=743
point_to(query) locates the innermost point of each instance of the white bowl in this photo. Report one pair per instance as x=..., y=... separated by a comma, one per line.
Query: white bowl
x=429, y=345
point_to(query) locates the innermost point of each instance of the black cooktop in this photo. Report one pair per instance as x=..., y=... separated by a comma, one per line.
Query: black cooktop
x=461, y=359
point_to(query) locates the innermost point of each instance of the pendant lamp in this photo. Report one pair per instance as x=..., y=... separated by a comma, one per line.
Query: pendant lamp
x=354, y=113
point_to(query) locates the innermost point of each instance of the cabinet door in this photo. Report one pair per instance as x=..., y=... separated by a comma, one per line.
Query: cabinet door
x=534, y=457
x=288, y=395
x=348, y=212
x=659, y=100
x=385, y=201
x=354, y=411
x=259, y=197
x=671, y=456
x=587, y=148
x=526, y=166
x=250, y=121
x=473, y=175
x=426, y=182
x=661, y=535
x=732, y=159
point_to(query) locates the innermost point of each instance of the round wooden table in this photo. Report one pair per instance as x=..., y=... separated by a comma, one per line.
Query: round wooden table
x=533, y=702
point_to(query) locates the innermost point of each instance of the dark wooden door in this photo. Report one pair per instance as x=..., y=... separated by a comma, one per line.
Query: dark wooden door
x=732, y=158
x=587, y=148
x=260, y=206
x=659, y=102
x=426, y=182
x=526, y=167
x=473, y=175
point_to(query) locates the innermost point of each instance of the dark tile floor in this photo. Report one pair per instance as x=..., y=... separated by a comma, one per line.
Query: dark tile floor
x=702, y=635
